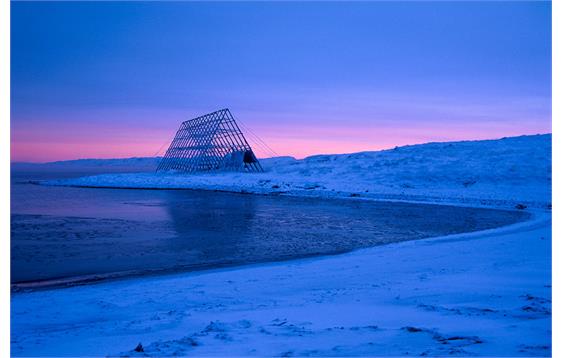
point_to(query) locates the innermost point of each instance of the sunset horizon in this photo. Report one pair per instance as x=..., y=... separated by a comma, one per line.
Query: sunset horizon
x=109, y=80
x=357, y=149
x=280, y=179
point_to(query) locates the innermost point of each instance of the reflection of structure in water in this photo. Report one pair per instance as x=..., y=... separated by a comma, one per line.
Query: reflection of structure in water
x=213, y=224
x=210, y=142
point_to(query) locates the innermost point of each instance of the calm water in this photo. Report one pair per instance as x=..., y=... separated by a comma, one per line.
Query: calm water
x=64, y=234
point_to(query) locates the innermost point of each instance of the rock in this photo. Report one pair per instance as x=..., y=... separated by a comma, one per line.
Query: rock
x=139, y=348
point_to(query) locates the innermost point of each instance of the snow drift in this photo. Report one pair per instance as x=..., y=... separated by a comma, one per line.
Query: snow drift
x=507, y=171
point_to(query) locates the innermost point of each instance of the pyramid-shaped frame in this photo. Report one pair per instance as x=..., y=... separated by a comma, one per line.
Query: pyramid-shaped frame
x=209, y=143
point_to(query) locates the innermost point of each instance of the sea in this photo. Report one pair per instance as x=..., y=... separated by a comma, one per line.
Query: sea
x=63, y=236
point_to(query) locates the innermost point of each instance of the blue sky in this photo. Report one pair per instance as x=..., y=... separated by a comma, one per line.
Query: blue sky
x=116, y=79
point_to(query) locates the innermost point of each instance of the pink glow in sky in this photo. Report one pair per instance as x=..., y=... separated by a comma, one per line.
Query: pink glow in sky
x=118, y=136
x=116, y=79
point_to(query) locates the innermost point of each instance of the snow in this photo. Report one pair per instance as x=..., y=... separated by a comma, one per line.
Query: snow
x=146, y=162
x=500, y=172
x=486, y=293
x=91, y=166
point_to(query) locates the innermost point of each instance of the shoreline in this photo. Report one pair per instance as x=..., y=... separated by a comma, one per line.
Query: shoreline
x=397, y=296
x=503, y=172
x=97, y=278
x=471, y=202
x=480, y=293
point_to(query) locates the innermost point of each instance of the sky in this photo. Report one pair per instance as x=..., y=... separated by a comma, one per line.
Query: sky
x=109, y=80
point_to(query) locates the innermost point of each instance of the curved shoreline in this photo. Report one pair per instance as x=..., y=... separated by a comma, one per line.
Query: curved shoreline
x=72, y=281
x=462, y=285
x=460, y=201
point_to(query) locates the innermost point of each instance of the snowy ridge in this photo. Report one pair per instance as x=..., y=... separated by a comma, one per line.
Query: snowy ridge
x=501, y=172
x=92, y=162
x=91, y=166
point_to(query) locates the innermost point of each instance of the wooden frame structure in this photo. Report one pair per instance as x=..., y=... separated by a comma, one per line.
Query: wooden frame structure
x=209, y=143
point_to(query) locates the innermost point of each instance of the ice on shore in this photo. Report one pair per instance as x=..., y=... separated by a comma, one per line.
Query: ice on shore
x=497, y=172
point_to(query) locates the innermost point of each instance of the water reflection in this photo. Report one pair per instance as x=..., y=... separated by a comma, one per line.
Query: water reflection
x=213, y=223
x=67, y=232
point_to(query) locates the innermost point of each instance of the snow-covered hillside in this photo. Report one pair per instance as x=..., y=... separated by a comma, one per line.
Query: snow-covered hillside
x=93, y=165
x=507, y=171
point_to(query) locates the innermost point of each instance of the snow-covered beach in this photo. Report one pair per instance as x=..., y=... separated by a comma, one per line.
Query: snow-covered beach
x=490, y=172
x=476, y=294
x=486, y=293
